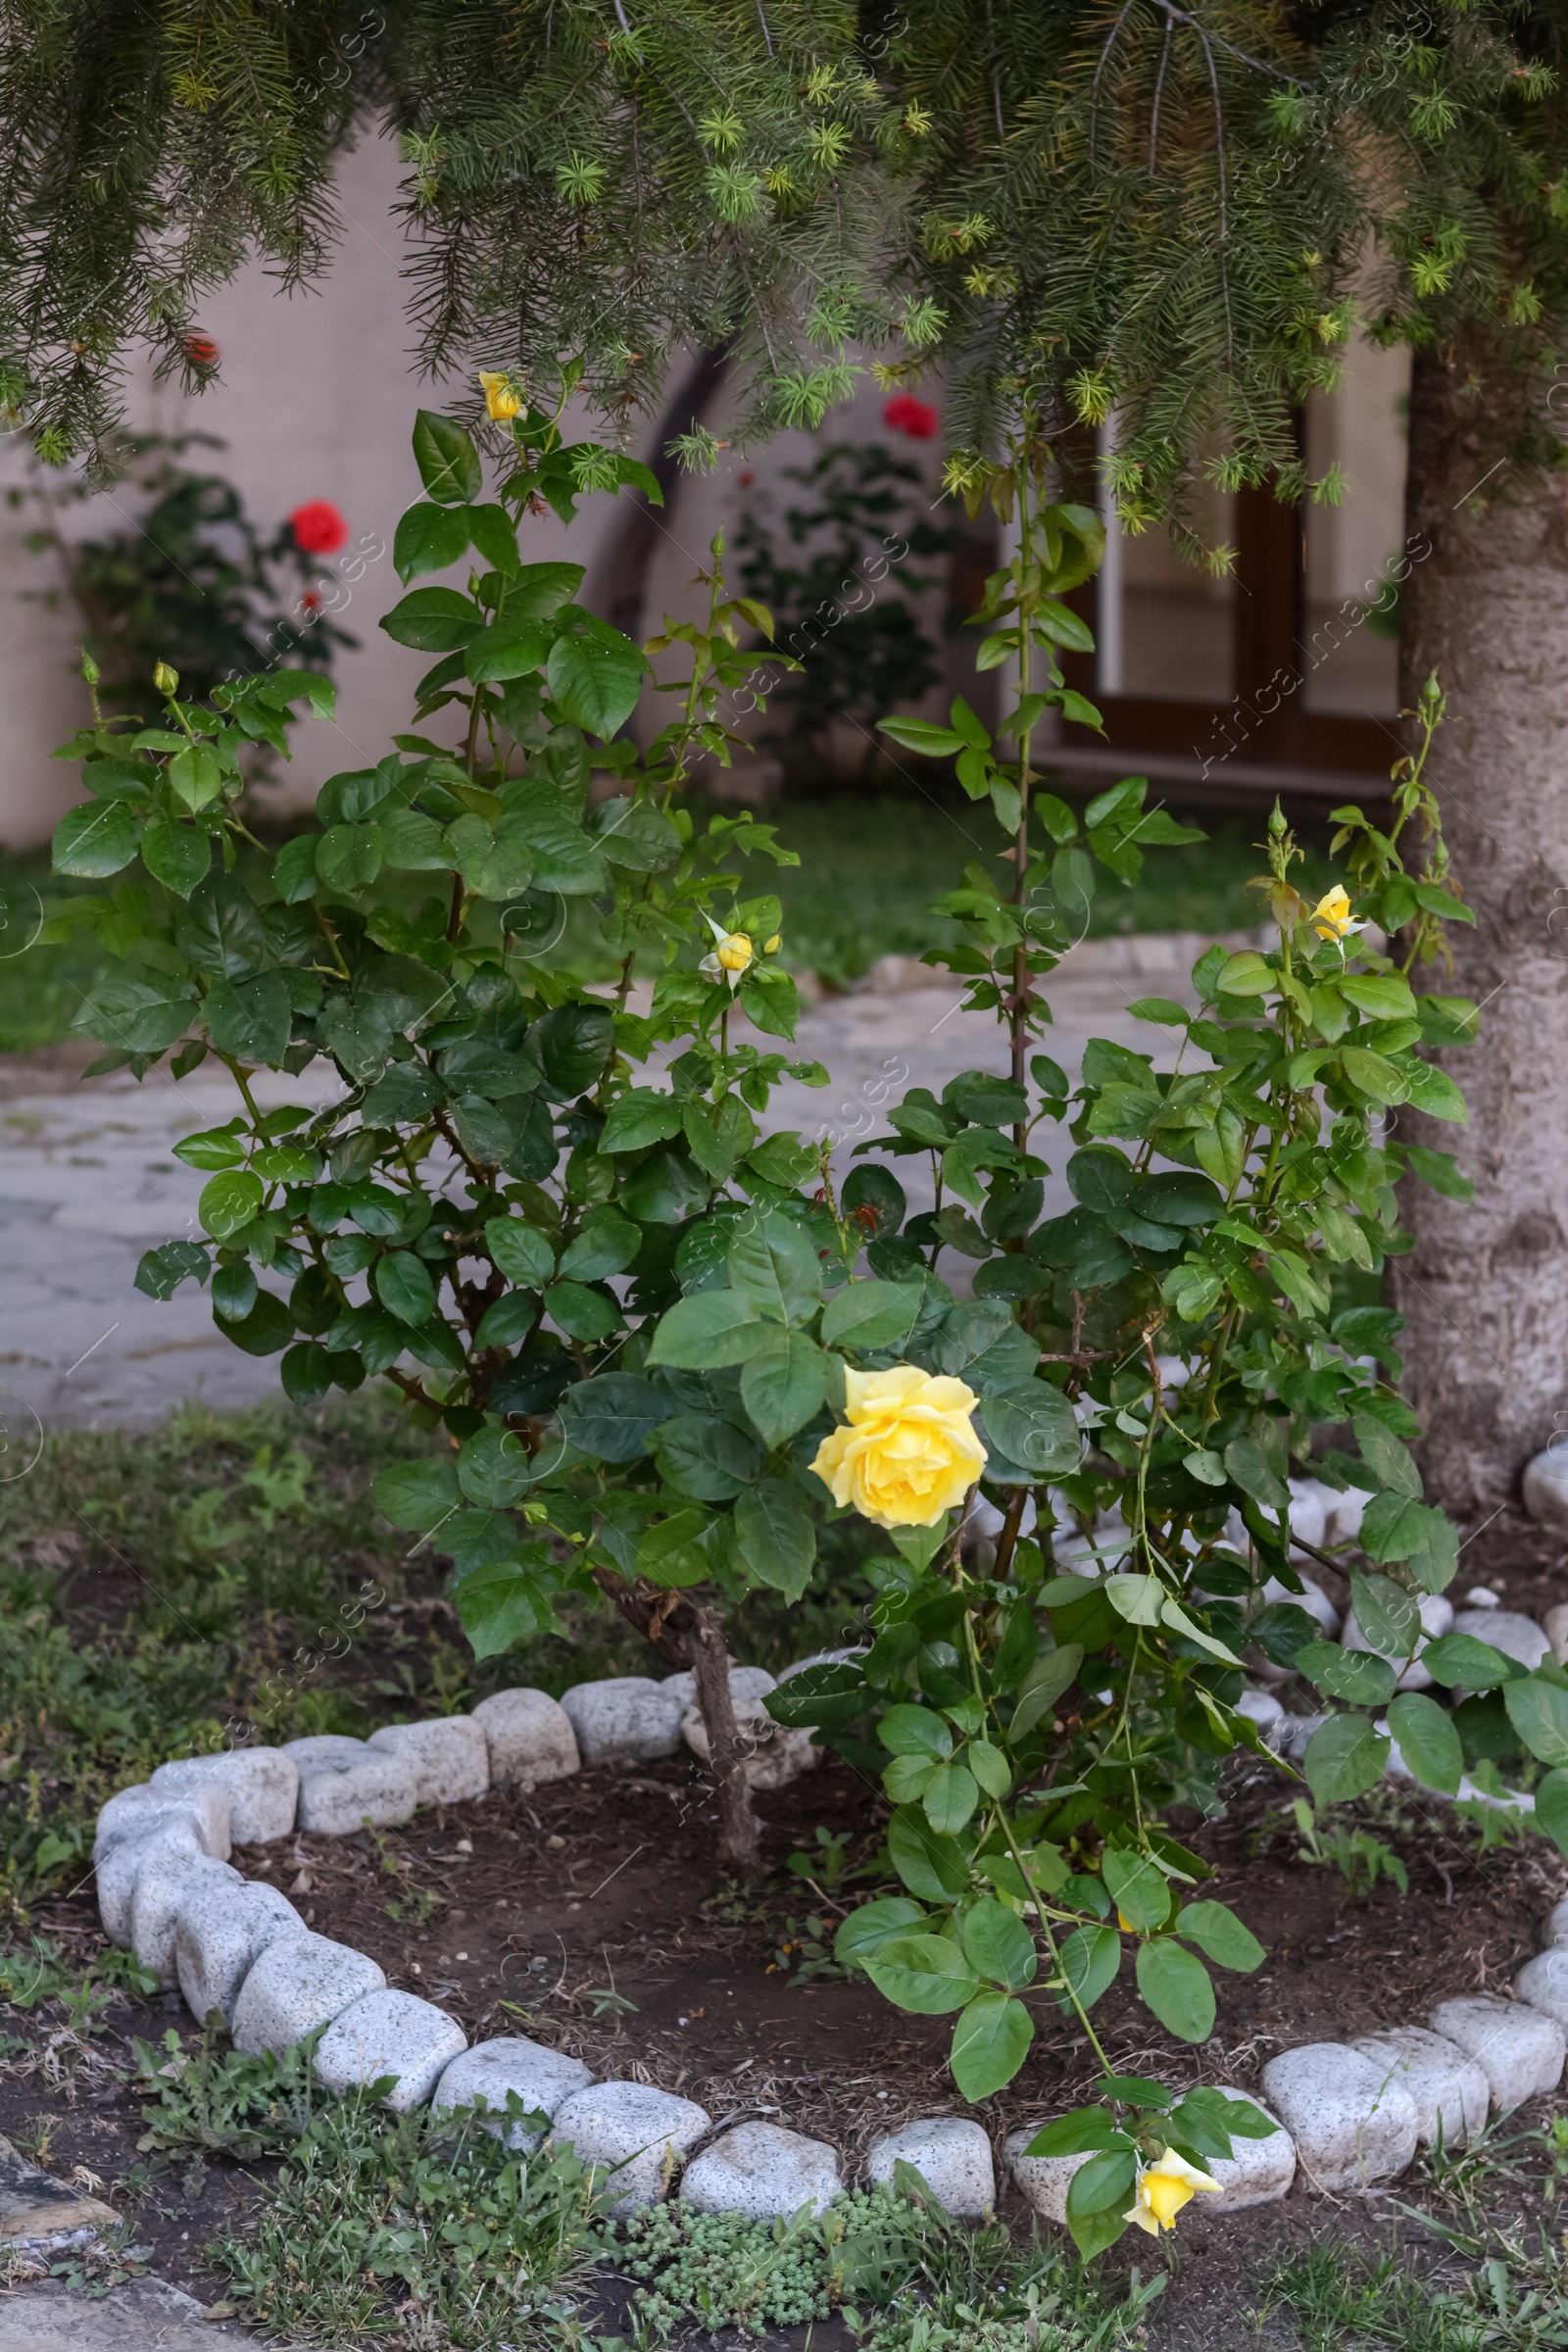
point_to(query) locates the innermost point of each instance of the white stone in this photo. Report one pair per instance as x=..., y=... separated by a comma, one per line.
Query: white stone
x=542, y=2078
x=1346, y=1514
x=116, y=1875
x=355, y=1783
x=1554, y=1624
x=1351, y=2124
x=1545, y=1488
x=262, y=1784
x=776, y=1754
x=1257, y=2172
x=163, y=1882
x=744, y=1682
x=636, y=2135
x=1556, y=1926
x=1544, y=1983
x=220, y=1935
x=1518, y=2049
x=952, y=2153
x=389, y=2033
x=1437, y=1618
x=763, y=2172
x=1448, y=2091
x=1307, y=1513
x=448, y=1757
x=529, y=1737
x=1311, y=1598
x=1262, y=1708
x=1482, y=1596
x=323, y=1752
x=1515, y=1635
x=1043, y=2182
x=626, y=1718
x=1293, y=1732
x=299, y=1982
x=137, y=1811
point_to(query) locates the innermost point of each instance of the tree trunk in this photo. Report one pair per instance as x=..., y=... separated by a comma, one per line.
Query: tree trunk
x=1485, y=1290
x=686, y=1634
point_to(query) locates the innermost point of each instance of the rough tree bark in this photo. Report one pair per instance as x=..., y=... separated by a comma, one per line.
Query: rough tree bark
x=685, y=1633
x=1486, y=1288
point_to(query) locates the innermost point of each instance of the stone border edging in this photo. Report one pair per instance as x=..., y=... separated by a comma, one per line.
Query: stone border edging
x=1351, y=2114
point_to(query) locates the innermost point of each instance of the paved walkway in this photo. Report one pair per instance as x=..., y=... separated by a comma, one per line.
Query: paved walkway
x=87, y=1181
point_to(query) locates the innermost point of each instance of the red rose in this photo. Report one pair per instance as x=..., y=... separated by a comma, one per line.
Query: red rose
x=318, y=528
x=916, y=418
x=201, y=351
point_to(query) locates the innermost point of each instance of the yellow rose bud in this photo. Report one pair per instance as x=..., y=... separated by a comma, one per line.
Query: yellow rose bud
x=1330, y=918
x=499, y=399
x=166, y=680
x=770, y=946
x=735, y=951
x=907, y=1451
x=1163, y=2188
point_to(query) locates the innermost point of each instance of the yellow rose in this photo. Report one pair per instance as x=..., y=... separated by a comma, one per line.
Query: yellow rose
x=1163, y=2188
x=734, y=951
x=499, y=397
x=1330, y=918
x=907, y=1451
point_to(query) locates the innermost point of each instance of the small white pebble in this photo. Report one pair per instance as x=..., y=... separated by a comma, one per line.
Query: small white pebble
x=464, y=1845
x=680, y=2021
x=1482, y=1596
x=463, y=1955
x=881, y=2094
x=417, y=1969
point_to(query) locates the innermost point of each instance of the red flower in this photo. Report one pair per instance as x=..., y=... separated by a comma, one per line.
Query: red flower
x=318, y=528
x=746, y=479
x=916, y=418
x=201, y=351
x=310, y=602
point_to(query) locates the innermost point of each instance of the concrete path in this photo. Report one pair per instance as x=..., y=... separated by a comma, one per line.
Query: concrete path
x=87, y=1181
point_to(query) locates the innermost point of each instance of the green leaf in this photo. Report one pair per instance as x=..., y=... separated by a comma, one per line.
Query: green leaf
x=250, y=1018
x=989, y=2043
x=776, y=1536
x=607, y=1245
x=96, y=839
x=1459, y=1659
x=910, y=1731
x=214, y=1147
x=580, y=1313
x=1353, y=1675
x=1344, y=1758
x=709, y=1329
x=1245, y=975
x=1428, y=1741
x=595, y=678
x=875, y=1924
x=1051, y=1674
x=1387, y=1615
x=434, y=621
x=161, y=1271
x=1393, y=1528
x=1097, y=2200
x=1381, y=995
x=294, y=869
x=1227, y=1940
x=640, y=1117
x=1391, y=1463
x=427, y=539
x=1035, y=1427
x=494, y=1468
x=949, y=1799
x=1177, y=1988
x=701, y=1455
x=349, y=857
x=448, y=462
x=1086, y=2131
x=919, y=735
x=267, y=1329
x=925, y=1974
x=783, y=1382
x=612, y=1416
x=930, y=1866
x=540, y=589
x=1552, y=1808
x=521, y=1252
x=773, y=1265
x=1538, y=1713
x=512, y=648
x=195, y=775
x=403, y=1286
x=417, y=1495
x=1140, y=1889
x=500, y=1606
x=1089, y=1958
x=866, y=1315
x=999, y=1945
x=230, y=1201
x=1137, y=1599
x=176, y=855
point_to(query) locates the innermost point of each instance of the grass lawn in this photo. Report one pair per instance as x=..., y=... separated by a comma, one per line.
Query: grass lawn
x=870, y=869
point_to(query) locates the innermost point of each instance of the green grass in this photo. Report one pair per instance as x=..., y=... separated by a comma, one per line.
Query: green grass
x=870, y=869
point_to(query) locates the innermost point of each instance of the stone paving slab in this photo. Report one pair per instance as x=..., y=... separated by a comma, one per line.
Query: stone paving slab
x=87, y=1179
x=146, y=2315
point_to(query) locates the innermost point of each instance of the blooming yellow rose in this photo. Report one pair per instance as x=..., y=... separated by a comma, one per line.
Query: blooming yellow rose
x=1330, y=918
x=734, y=952
x=499, y=397
x=1163, y=2188
x=907, y=1451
